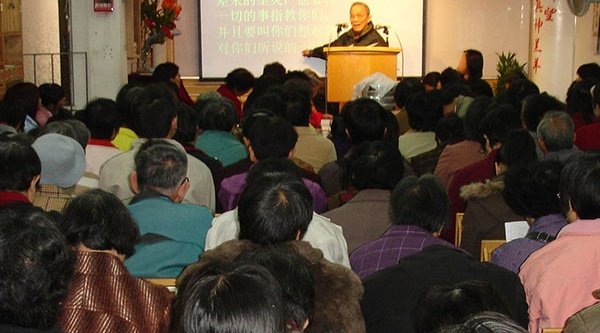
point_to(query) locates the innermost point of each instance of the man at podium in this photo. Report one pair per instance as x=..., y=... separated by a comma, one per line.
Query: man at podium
x=363, y=33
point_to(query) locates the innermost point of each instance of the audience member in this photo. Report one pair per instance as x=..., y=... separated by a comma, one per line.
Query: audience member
x=589, y=71
x=470, y=66
x=555, y=136
x=580, y=105
x=445, y=305
x=293, y=273
x=374, y=169
x=457, y=156
x=28, y=95
x=221, y=298
x=530, y=191
x=311, y=147
x=186, y=134
x=154, y=116
x=218, y=122
x=545, y=273
x=534, y=108
x=102, y=294
x=63, y=164
x=448, y=131
x=424, y=110
x=237, y=83
x=12, y=118
x=499, y=120
x=20, y=170
x=586, y=320
x=278, y=209
x=486, y=210
x=173, y=233
x=269, y=136
x=54, y=98
x=431, y=81
x=36, y=268
x=168, y=72
x=418, y=210
x=101, y=117
x=517, y=93
x=405, y=88
x=321, y=233
x=587, y=137
x=391, y=295
x=125, y=98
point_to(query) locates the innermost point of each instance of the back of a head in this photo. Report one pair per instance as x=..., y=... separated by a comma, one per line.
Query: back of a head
x=272, y=166
x=580, y=185
x=579, y=99
x=36, y=268
x=101, y=117
x=240, y=80
x=296, y=106
x=218, y=115
x=420, y=201
x=498, y=122
x=19, y=164
x=589, y=71
x=375, y=165
x=13, y=114
x=165, y=72
x=153, y=111
x=444, y=305
x=275, y=70
x=474, y=64
x=449, y=76
x=274, y=210
x=160, y=166
x=27, y=94
x=51, y=94
x=364, y=119
x=237, y=299
x=187, y=124
x=73, y=128
x=450, y=129
x=424, y=110
x=100, y=221
x=531, y=190
x=405, y=88
x=293, y=272
x=125, y=97
x=536, y=106
x=518, y=92
x=271, y=136
x=432, y=79
x=519, y=149
x=557, y=131
x=474, y=115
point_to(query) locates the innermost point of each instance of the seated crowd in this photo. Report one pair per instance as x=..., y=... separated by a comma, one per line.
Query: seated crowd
x=264, y=222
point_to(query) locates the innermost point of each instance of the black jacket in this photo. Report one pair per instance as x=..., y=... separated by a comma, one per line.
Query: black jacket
x=368, y=37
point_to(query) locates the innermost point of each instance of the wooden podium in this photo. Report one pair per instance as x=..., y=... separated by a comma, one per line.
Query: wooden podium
x=348, y=65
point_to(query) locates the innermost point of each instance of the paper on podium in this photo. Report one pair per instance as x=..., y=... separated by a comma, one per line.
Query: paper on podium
x=515, y=229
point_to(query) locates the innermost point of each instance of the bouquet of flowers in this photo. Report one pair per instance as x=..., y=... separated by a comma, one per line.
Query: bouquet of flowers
x=158, y=23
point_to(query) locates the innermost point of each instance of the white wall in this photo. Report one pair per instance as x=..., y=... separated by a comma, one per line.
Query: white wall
x=186, y=45
x=40, y=35
x=585, y=42
x=103, y=37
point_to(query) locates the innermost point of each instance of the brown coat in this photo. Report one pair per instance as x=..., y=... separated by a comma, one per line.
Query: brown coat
x=104, y=297
x=338, y=290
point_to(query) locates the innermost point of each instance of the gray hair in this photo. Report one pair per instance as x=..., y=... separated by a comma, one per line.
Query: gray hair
x=556, y=129
x=160, y=166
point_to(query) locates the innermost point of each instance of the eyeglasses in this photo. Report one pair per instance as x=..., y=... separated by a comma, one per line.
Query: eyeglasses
x=186, y=179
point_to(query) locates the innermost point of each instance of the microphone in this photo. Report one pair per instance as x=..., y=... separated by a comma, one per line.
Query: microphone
x=341, y=26
x=381, y=26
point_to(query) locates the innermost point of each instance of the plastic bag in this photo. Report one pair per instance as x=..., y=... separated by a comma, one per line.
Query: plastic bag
x=378, y=87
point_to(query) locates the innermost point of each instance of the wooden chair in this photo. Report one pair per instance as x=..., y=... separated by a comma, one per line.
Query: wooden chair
x=552, y=330
x=488, y=246
x=170, y=283
x=458, y=229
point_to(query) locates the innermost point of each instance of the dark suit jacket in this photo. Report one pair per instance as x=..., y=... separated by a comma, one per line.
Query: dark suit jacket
x=391, y=294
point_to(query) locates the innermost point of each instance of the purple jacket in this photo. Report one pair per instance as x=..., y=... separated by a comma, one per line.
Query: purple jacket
x=512, y=254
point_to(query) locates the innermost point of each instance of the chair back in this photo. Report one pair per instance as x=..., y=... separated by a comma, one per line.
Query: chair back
x=165, y=282
x=458, y=229
x=552, y=330
x=488, y=246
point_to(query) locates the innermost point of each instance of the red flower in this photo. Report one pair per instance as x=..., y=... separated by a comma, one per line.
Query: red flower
x=167, y=32
x=149, y=23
